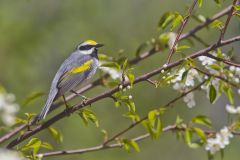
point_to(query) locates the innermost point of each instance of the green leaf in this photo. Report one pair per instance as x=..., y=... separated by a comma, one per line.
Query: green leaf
x=132, y=115
x=179, y=120
x=32, y=97
x=130, y=143
x=131, y=78
x=88, y=115
x=173, y=18
x=200, y=2
x=203, y=120
x=55, y=134
x=33, y=144
x=200, y=134
x=30, y=116
x=188, y=136
x=158, y=128
x=20, y=121
x=176, y=21
x=184, y=75
x=237, y=7
x=46, y=145
x=217, y=2
x=153, y=125
x=131, y=105
x=125, y=63
x=135, y=145
x=152, y=116
x=217, y=23
x=179, y=48
x=165, y=20
x=212, y=94
x=229, y=93
x=113, y=65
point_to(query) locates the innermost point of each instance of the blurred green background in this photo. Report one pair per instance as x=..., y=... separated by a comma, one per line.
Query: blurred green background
x=36, y=36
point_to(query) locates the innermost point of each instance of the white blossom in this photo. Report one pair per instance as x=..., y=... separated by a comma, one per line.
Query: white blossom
x=219, y=142
x=179, y=75
x=237, y=71
x=192, y=73
x=115, y=74
x=232, y=109
x=236, y=80
x=165, y=66
x=214, y=145
x=189, y=100
x=238, y=91
x=10, y=155
x=206, y=60
x=232, y=68
x=225, y=135
x=8, y=108
x=180, y=87
x=172, y=37
x=120, y=86
x=130, y=97
x=128, y=87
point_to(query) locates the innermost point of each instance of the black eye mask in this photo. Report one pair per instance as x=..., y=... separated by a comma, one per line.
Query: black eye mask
x=87, y=47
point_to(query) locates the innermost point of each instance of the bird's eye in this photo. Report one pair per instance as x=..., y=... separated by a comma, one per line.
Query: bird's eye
x=87, y=47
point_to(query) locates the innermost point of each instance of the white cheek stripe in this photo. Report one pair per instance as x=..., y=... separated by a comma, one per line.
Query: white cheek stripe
x=87, y=52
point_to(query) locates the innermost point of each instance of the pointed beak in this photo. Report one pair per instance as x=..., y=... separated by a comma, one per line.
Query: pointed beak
x=99, y=45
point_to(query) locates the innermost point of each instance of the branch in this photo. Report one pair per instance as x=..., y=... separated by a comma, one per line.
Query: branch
x=133, y=61
x=116, y=89
x=179, y=32
x=222, y=60
x=230, y=14
x=217, y=76
x=101, y=147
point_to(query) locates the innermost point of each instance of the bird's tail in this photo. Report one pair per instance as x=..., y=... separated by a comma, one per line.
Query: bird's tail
x=52, y=95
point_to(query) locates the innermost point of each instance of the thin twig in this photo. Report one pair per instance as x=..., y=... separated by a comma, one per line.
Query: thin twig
x=230, y=14
x=179, y=32
x=217, y=76
x=222, y=60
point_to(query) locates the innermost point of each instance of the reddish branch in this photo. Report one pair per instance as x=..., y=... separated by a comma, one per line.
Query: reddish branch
x=230, y=14
x=180, y=30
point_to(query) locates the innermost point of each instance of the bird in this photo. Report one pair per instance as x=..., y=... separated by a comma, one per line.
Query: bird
x=80, y=66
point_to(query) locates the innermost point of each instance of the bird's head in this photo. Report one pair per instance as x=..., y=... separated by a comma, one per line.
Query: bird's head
x=89, y=46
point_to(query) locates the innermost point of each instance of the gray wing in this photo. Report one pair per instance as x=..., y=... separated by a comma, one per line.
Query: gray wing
x=68, y=80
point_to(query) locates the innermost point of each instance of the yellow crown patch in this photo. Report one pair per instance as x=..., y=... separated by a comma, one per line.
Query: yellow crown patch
x=92, y=42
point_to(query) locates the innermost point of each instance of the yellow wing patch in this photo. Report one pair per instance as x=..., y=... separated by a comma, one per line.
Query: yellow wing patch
x=82, y=68
x=92, y=42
